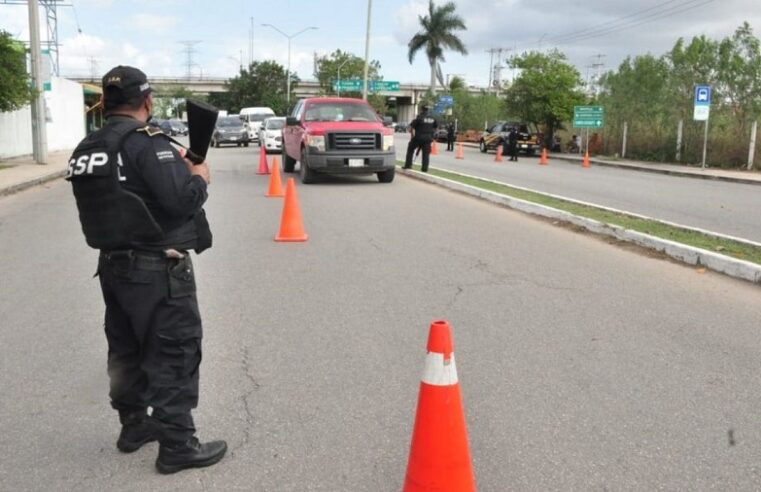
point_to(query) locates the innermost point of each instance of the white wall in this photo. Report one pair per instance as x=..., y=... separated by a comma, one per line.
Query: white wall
x=65, y=126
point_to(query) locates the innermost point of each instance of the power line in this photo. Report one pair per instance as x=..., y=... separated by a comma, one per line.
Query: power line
x=622, y=24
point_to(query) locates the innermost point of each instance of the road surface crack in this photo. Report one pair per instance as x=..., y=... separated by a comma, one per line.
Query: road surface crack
x=253, y=387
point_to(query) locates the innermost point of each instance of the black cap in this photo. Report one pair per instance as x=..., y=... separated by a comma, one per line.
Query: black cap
x=123, y=83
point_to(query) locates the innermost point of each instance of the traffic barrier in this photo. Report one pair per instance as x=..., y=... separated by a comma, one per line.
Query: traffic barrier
x=498, y=156
x=585, y=161
x=543, y=159
x=291, y=223
x=434, y=148
x=276, y=185
x=460, y=152
x=263, y=169
x=439, y=456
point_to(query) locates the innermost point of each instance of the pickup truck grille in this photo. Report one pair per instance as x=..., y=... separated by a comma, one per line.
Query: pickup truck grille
x=354, y=141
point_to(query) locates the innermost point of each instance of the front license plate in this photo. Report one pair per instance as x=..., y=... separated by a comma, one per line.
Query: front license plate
x=356, y=162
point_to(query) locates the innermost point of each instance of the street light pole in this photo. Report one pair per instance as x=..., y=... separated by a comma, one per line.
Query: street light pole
x=338, y=80
x=39, y=131
x=367, y=47
x=289, y=37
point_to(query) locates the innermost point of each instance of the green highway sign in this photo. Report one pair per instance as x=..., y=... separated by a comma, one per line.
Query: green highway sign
x=383, y=85
x=352, y=85
x=356, y=85
x=588, y=116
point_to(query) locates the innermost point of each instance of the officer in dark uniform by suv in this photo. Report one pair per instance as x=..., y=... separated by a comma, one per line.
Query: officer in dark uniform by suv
x=140, y=203
x=422, y=129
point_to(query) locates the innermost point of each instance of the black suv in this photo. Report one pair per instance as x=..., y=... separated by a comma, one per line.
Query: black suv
x=230, y=130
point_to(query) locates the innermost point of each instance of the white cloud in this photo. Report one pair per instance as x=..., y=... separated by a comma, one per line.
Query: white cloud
x=150, y=22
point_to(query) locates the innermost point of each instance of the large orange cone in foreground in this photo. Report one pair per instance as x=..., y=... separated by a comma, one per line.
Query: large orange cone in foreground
x=276, y=185
x=439, y=457
x=263, y=169
x=291, y=224
x=585, y=161
x=543, y=159
x=498, y=155
x=434, y=148
x=460, y=152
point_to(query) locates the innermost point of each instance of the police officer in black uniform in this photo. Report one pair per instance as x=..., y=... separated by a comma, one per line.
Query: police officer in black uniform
x=422, y=129
x=450, y=136
x=140, y=203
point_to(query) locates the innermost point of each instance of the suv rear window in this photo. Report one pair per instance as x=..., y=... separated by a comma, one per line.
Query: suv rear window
x=339, y=111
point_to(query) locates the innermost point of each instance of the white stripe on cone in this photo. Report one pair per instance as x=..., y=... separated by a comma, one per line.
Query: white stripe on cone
x=439, y=372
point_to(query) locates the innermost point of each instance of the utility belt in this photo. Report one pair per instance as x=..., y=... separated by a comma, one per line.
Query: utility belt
x=132, y=266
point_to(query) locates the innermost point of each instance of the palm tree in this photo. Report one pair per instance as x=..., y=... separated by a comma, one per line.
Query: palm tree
x=436, y=34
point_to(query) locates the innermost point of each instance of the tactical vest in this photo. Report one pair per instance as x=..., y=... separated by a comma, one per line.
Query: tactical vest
x=111, y=216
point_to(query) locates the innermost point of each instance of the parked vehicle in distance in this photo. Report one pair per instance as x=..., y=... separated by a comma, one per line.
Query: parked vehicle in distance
x=528, y=142
x=440, y=134
x=253, y=118
x=271, y=134
x=173, y=127
x=229, y=130
x=337, y=136
x=402, y=128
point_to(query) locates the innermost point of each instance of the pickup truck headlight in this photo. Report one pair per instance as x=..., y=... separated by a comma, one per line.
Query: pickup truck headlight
x=317, y=141
x=388, y=142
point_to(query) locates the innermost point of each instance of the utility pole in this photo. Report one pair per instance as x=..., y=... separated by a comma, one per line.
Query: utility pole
x=39, y=131
x=93, y=68
x=367, y=47
x=189, y=52
x=251, y=43
x=495, y=70
x=597, y=66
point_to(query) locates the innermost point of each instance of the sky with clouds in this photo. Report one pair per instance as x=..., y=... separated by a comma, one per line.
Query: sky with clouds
x=150, y=33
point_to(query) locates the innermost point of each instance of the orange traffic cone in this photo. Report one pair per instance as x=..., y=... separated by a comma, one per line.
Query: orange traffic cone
x=276, y=185
x=439, y=456
x=498, y=157
x=275, y=162
x=291, y=225
x=585, y=161
x=263, y=169
x=460, y=152
x=434, y=148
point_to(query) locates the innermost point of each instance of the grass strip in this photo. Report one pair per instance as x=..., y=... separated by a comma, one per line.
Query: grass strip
x=696, y=239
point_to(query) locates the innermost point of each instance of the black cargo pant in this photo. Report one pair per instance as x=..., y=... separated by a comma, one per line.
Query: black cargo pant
x=154, y=333
x=425, y=147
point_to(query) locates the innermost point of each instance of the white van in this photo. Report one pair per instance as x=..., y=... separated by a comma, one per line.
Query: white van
x=253, y=118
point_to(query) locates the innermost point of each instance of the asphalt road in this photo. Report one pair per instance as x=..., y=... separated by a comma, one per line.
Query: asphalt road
x=717, y=206
x=583, y=365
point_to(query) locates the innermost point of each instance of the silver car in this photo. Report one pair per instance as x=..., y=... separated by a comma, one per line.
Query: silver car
x=271, y=134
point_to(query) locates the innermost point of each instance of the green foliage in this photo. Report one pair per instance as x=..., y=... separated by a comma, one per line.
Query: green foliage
x=171, y=104
x=473, y=112
x=15, y=90
x=546, y=90
x=652, y=94
x=437, y=33
x=351, y=67
x=261, y=84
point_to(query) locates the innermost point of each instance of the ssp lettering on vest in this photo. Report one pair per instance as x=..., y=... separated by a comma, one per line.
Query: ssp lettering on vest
x=111, y=216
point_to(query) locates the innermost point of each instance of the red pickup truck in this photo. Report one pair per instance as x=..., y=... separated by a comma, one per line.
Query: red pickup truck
x=338, y=136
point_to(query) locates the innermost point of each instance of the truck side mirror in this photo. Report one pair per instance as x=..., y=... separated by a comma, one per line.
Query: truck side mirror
x=388, y=121
x=291, y=121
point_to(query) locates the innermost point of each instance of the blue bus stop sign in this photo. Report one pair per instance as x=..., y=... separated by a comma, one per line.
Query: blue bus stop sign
x=702, y=95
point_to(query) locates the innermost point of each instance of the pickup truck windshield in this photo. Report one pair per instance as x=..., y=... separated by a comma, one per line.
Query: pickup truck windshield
x=340, y=112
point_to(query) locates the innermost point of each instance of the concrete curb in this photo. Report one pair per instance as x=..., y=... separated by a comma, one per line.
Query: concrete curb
x=690, y=255
x=633, y=167
x=15, y=188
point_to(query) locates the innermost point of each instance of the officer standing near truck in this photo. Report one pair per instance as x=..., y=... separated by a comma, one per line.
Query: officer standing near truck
x=422, y=129
x=140, y=203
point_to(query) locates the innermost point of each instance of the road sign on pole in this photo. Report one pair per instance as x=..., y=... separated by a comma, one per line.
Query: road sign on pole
x=702, y=112
x=588, y=117
x=384, y=85
x=351, y=85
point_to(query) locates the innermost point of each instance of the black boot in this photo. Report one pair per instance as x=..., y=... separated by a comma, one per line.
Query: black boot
x=136, y=432
x=190, y=454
